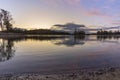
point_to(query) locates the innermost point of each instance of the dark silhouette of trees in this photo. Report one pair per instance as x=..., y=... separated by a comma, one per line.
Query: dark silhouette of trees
x=108, y=32
x=5, y=20
x=79, y=33
x=1, y=21
x=46, y=32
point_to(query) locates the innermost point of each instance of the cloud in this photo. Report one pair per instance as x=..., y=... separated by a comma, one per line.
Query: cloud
x=98, y=10
x=115, y=22
x=72, y=1
x=97, y=13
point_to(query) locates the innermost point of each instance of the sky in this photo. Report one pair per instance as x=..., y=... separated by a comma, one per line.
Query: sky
x=45, y=13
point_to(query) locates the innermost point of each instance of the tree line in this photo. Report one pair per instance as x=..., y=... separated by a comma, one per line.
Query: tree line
x=7, y=27
x=108, y=32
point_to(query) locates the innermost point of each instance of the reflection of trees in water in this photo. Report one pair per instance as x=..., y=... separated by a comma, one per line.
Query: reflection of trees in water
x=70, y=41
x=67, y=40
x=36, y=38
x=81, y=40
x=6, y=49
x=57, y=40
x=108, y=37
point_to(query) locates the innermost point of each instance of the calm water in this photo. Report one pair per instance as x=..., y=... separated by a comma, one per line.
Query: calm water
x=58, y=54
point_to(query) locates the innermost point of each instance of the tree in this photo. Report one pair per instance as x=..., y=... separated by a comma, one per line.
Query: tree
x=1, y=21
x=6, y=20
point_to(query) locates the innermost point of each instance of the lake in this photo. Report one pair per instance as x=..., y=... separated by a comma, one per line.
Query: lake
x=58, y=54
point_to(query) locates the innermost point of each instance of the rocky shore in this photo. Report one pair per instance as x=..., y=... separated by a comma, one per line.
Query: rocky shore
x=101, y=74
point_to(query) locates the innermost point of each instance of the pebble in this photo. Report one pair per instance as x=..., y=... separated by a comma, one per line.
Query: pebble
x=104, y=74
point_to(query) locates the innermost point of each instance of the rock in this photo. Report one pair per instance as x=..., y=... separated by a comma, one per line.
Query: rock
x=111, y=70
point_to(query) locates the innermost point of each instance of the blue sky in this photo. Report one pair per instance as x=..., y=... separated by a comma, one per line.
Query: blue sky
x=45, y=13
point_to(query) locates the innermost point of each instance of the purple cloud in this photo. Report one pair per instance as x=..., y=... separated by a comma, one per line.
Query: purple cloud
x=96, y=12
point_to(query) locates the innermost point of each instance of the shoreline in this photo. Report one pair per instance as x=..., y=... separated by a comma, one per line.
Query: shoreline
x=101, y=74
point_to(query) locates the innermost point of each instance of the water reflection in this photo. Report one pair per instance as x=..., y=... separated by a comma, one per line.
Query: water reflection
x=108, y=37
x=7, y=49
x=58, y=53
x=70, y=41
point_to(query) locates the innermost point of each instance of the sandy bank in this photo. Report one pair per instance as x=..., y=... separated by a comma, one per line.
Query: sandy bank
x=103, y=74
